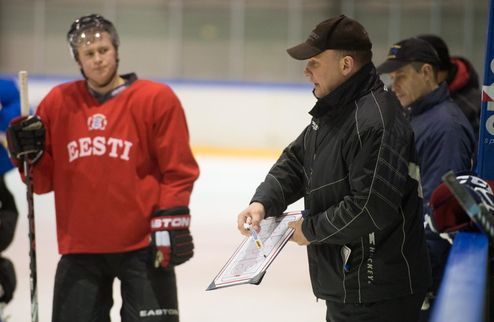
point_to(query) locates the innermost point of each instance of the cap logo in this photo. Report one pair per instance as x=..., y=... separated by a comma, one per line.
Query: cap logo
x=393, y=52
x=313, y=36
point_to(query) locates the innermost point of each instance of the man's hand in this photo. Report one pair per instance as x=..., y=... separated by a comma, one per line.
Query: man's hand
x=26, y=138
x=171, y=236
x=251, y=215
x=298, y=236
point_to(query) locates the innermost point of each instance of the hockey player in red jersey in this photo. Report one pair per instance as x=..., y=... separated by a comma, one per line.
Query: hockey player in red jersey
x=115, y=151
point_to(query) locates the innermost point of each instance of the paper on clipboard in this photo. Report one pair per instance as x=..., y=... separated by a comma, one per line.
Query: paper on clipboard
x=248, y=264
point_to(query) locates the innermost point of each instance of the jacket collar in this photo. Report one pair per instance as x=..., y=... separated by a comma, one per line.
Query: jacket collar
x=430, y=100
x=354, y=87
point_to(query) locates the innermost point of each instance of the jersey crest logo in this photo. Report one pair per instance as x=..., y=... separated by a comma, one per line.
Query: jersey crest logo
x=97, y=122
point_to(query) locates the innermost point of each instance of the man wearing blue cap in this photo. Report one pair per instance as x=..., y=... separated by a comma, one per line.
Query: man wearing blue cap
x=443, y=136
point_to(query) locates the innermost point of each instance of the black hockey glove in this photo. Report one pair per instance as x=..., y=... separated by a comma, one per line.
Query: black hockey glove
x=26, y=138
x=171, y=237
x=8, y=280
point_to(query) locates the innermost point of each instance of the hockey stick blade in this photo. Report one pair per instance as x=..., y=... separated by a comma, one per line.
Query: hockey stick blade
x=462, y=195
x=477, y=212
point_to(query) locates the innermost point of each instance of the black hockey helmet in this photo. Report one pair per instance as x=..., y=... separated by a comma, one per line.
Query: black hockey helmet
x=86, y=29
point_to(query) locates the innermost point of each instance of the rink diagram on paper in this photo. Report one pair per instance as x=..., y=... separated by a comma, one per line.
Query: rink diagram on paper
x=248, y=264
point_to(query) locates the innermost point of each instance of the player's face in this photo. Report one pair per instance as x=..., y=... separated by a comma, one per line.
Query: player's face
x=408, y=84
x=324, y=71
x=98, y=61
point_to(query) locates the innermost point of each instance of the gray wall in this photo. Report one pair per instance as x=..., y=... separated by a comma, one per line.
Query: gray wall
x=242, y=40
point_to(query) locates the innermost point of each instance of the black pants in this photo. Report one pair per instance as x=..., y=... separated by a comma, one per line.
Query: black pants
x=402, y=309
x=438, y=249
x=84, y=288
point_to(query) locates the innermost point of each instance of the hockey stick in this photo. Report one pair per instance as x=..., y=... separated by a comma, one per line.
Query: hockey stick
x=30, y=206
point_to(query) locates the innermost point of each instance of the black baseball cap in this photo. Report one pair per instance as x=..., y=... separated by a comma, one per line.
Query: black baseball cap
x=338, y=32
x=408, y=51
x=441, y=49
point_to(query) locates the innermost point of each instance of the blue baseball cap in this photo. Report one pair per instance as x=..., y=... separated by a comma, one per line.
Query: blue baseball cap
x=408, y=51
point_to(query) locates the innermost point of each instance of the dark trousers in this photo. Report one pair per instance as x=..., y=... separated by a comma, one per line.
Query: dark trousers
x=84, y=288
x=402, y=309
x=438, y=249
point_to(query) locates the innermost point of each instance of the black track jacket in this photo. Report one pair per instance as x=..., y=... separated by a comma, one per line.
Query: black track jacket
x=356, y=167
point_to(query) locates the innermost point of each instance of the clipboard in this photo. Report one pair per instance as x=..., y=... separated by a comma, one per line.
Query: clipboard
x=248, y=264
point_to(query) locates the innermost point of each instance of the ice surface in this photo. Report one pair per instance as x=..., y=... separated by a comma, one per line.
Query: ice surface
x=222, y=191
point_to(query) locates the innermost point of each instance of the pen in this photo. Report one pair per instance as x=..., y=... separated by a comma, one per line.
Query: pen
x=255, y=237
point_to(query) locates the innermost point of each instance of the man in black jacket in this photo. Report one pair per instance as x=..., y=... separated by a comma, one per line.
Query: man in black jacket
x=356, y=167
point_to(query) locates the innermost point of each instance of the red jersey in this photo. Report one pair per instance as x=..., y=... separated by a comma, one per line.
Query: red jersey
x=112, y=164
